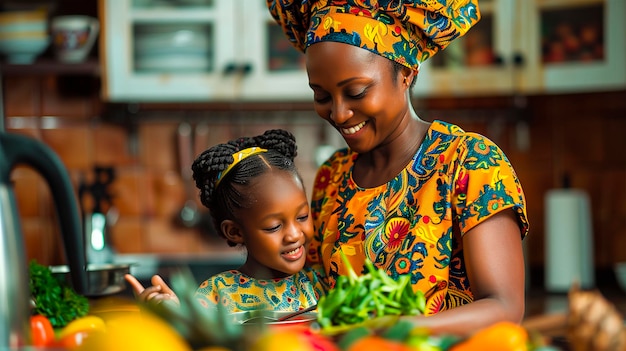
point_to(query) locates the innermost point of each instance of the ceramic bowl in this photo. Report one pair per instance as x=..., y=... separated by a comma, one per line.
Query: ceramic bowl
x=620, y=274
x=23, y=47
x=23, y=21
x=74, y=37
x=172, y=47
x=103, y=279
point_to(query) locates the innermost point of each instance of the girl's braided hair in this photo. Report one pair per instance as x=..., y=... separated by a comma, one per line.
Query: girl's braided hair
x=224, y=199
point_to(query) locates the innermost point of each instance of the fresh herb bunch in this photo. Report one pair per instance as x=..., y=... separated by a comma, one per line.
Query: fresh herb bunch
x=356, y=299
x=54, y=299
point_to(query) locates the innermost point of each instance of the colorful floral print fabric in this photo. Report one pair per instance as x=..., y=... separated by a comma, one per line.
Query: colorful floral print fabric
x=414, y=224
x=408, y=32
x=238, y=292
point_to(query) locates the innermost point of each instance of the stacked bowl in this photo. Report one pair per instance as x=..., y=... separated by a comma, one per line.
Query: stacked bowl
x=23, y=35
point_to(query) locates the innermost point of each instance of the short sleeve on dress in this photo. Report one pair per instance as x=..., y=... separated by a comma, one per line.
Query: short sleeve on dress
x=486, y=183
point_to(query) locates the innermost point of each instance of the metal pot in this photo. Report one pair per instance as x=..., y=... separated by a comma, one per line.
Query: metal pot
x=102, y=279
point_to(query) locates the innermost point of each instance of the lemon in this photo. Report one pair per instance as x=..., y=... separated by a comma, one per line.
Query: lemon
x=138, y=332
x=86, y=323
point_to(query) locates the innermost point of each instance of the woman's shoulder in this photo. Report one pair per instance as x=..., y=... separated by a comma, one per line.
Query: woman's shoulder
x=453, y=130
x=442, y=131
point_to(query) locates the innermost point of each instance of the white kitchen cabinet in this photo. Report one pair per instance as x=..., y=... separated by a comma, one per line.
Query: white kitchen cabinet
x=533, y=46
x=578, y=45
x=482, y=61
x=197, y=50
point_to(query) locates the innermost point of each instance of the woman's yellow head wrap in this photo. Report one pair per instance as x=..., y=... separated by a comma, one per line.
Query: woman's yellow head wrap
x=405, y=31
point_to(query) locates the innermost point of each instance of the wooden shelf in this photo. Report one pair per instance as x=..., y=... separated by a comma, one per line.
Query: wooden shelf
x=47, y=66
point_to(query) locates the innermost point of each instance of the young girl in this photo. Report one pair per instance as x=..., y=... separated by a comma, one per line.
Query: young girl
x=257, y=199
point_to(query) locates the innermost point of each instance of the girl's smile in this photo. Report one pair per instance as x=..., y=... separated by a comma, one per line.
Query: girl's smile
x=294, y=254
x=276, y=228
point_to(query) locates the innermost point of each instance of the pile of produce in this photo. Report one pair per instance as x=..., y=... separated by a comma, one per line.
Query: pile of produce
x=59, y=315
x=360, y=314
x=56, y=301
x=358, y=299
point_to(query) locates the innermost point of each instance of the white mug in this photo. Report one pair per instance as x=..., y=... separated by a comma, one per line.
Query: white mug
x=73, y=37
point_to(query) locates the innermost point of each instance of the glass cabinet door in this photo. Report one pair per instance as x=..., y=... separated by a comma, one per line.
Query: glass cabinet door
x=167, y=49
x=579, y=45
x=277, y=69
x=483, y=61
x=198, y=50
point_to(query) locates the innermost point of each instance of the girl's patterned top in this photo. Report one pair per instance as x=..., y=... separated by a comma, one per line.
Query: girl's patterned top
x=238, y=292
x=414, y=224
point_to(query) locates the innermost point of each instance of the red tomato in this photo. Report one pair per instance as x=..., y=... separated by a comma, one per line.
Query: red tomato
x=41, y=330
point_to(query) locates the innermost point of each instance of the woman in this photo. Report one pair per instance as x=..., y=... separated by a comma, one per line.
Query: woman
x=414, y=197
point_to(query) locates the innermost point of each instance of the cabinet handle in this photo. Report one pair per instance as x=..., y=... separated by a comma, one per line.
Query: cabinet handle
x=234, y=68
x=498, y=60
x=246, y=68
x=518, y=59
x=230, y=69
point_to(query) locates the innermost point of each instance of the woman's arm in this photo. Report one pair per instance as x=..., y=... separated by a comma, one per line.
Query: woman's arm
x=495, y=266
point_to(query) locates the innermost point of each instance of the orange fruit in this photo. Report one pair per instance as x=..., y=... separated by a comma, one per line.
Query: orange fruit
x=377, y=343
x=283, y=339
x=502, y=336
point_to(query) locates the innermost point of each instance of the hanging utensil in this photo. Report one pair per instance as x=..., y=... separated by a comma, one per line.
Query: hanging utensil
x=188, y=215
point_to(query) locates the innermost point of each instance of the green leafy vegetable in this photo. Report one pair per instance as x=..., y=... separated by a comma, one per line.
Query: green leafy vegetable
x=356, y=299
x=53, y=299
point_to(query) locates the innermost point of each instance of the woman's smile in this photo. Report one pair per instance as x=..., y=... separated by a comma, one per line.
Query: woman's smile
x=354, y=129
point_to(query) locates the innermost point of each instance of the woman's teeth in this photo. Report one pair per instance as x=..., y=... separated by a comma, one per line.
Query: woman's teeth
x=352, y=130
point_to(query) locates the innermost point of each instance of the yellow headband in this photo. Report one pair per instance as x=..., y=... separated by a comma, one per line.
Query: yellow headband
x=238, y=157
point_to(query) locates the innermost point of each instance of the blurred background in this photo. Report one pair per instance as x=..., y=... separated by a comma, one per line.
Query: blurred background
x=128, y=92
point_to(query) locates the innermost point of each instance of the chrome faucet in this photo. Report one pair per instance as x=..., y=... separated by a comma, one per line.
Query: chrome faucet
x=14, y=280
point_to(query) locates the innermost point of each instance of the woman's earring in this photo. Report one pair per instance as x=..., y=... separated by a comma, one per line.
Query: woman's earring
x=406, y=80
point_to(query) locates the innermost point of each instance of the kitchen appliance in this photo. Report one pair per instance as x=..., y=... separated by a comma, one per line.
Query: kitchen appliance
x=569, y=240
x=14, y=282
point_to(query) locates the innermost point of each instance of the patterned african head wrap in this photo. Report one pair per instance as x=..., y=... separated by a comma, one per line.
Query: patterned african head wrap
x=405, y=31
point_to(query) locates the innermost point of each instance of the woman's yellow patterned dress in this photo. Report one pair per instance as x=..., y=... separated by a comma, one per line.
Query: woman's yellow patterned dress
x=414, y=223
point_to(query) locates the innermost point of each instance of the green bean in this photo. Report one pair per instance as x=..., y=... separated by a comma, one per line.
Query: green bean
x=357, y=298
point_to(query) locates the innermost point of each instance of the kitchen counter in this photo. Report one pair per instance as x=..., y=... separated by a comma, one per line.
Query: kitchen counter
x=202, y=266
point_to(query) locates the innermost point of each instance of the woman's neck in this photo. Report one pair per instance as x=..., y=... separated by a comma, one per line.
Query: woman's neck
x=384, y=163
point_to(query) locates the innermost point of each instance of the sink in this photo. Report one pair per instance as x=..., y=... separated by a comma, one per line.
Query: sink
x=202, y=266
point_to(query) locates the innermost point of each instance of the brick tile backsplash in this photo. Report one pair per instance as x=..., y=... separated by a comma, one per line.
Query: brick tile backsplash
x=149, y=191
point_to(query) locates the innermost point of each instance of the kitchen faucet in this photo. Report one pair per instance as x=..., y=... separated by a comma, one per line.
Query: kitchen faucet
x=14, y=279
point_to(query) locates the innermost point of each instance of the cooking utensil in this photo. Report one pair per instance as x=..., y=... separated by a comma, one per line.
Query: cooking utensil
x=188, y=215
x=274, y=317
x=297, y=313
x=102, y=279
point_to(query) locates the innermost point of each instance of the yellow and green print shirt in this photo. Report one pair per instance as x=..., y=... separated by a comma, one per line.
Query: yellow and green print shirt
x=239, y=292
x=414, y=223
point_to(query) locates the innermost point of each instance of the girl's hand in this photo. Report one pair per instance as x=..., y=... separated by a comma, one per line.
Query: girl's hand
x=157, y=293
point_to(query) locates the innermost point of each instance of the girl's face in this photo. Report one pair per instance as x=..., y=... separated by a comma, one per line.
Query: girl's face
x=355, y=91
x=277, y=228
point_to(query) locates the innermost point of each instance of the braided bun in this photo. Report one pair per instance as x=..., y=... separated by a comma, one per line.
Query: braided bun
x=229, y=196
